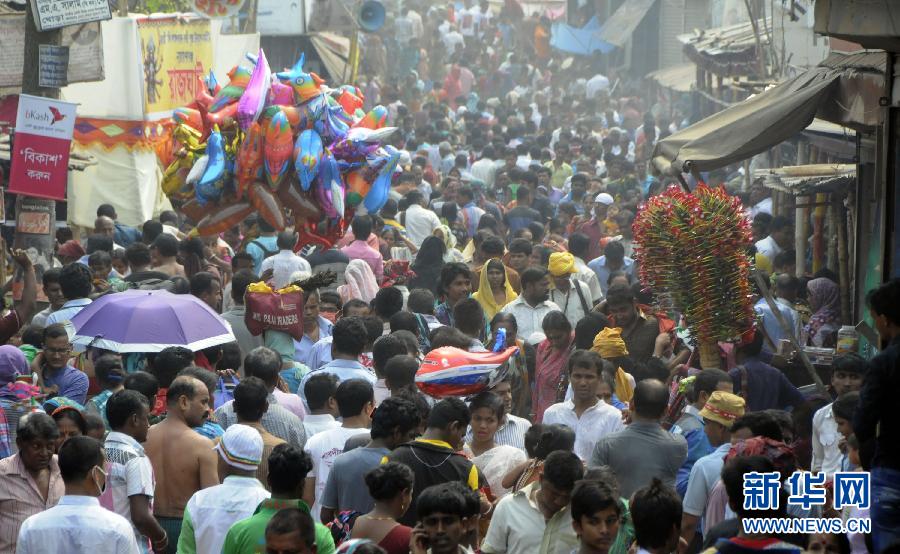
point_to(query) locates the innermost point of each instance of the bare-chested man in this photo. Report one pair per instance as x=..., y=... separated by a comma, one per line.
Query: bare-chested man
x=163, y=254
x=183, y=460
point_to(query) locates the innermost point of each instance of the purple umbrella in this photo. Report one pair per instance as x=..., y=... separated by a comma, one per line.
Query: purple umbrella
x=148, y=321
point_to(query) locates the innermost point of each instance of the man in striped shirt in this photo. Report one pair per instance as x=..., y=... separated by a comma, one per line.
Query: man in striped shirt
x=512, y=431
x=30, y=481
x=131, y=481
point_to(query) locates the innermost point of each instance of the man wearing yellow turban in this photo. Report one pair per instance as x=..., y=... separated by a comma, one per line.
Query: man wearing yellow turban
x=610, y=345
x=571, y=295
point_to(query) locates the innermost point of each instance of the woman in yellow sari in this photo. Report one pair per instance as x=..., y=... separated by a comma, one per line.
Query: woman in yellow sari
x=494, y=290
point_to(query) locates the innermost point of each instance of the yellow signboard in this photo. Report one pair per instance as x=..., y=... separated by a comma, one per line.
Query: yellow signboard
x=175, y=55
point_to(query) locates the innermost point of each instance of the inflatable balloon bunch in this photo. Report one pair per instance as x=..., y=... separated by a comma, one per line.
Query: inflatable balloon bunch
x=269, y=141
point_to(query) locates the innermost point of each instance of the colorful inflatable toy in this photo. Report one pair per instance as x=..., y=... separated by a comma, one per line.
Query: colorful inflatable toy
x=278, y=142
x=449, y=371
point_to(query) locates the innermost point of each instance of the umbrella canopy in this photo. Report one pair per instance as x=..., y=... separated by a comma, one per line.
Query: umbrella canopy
x=148, y=321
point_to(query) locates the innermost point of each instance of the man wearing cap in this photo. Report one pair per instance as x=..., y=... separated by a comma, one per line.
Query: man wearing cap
x=211, y=512
x=718, y=415
x=570, y=294
x=595, y=229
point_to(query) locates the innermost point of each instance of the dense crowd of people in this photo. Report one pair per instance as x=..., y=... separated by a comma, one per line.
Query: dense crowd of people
x=508, y=224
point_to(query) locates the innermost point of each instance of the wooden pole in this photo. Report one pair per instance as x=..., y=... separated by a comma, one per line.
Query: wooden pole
x=33, y=40
x=818, y=256
x=801, y=230
x=843, y=258
x=788, y=332
x=123, y=8
x=748, y=179
x=42, y=240
x=760, y=55
x=831, y=222
x=251, y=17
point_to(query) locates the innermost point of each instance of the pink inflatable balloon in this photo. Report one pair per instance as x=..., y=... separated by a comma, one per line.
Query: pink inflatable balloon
x=250, y=106
x=280, y=95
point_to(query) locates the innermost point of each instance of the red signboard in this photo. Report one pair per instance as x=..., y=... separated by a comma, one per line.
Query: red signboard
x=40, y=156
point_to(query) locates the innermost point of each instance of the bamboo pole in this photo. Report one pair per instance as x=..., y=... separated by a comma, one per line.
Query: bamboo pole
x=818, y=256
x=831, y=222
x=843, y=258
x=801, y=230
x=760, y=55
x=709, y=355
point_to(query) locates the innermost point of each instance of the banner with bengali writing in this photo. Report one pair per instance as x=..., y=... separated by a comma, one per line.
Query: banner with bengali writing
x=40, y=148
x=175, y=56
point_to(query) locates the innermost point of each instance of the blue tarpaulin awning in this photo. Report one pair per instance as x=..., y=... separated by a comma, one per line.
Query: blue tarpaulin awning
x=584, y=41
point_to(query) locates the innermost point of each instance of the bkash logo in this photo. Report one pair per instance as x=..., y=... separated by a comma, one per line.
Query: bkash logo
x=52, y=118
x=57, y=116
x=38, y=116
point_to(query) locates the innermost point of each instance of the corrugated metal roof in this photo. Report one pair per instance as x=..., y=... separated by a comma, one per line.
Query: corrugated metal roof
x=864, y=60
x=808, y=179
x=680, y=78
x=727, y=50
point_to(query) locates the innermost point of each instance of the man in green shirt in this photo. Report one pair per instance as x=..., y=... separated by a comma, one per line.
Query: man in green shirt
x=288, y=466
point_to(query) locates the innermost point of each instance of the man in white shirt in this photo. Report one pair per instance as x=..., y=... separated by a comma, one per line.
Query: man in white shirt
x=78, y=523
x=418, y=172
x=452, y=39
x=469, y=18
x=131, y=483
x=780, y=237
x=587, y=415
x=420, y=222
x=319, y=392
x=418, y=27
x=211, y=512
x=595, y=84
x=579, y=246
x=485, y=169
x=486, y=15
x=532, y=305
x=760, y=200
x=404, y=30
x=537, y=518
x=356, y=402
x=847, y=374
x=569, y=293
x=285, y=264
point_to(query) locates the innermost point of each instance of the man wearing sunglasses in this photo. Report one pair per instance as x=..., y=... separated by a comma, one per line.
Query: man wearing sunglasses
x=79, y=519
x=58, y=378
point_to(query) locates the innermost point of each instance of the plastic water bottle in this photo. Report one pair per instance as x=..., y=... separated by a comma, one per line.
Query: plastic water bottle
x=847, y=340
